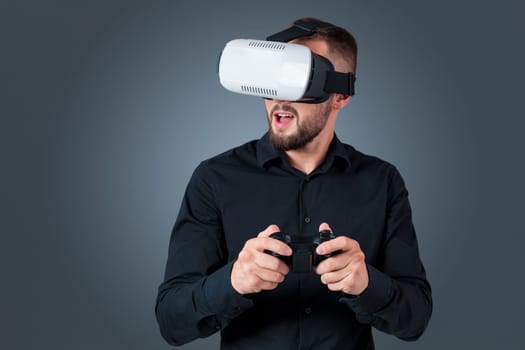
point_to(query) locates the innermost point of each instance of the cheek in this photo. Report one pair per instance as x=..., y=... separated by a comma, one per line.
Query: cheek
x=268, y=107
x=268, y=104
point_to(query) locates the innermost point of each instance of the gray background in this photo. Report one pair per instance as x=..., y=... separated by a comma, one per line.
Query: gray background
x=107, y=107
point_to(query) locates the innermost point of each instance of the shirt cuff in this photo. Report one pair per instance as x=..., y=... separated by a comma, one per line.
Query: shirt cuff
x=223, y=300
x=375, y=297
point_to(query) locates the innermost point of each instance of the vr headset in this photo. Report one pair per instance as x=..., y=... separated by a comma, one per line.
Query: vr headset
x=274, y=69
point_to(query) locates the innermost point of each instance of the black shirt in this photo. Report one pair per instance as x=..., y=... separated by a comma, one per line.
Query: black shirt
x=233, y=196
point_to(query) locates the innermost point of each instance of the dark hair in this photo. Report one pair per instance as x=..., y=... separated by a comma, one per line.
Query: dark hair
x=339, y=41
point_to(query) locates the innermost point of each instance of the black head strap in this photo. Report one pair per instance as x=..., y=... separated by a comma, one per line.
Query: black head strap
x=298, y=30
x=342, y=83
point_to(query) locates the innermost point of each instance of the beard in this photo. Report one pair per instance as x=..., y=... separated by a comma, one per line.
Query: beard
x=308, y=126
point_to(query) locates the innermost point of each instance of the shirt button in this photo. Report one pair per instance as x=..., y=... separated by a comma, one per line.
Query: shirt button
x=307, y=220
x=307, y=310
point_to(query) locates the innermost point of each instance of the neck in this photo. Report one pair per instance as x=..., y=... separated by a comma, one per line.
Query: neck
x=308, y=158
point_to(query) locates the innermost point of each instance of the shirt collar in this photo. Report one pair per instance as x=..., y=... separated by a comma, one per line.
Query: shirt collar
x=338, y=154
x=266, y=153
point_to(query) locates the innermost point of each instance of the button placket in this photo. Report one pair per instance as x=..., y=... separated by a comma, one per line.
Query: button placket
x=304, y=217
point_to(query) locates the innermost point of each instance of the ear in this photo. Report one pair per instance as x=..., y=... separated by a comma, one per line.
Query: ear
x=340, y=100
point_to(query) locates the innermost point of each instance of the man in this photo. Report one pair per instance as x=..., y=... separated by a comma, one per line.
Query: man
x=298, y=179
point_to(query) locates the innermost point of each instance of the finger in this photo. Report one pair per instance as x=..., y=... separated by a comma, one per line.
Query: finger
x=266, y=245
x=269, y=230
x=325, y=226
x=335, y=263
x=245, y=276
x=335, y=276
x=276, y=246
x=271, y=263
x=254, y=284
x=271, y=244
x=270, y=276
x=263, y=285
x=346, y=261
x=339, y=243
x=353, y=284
x=336, y=286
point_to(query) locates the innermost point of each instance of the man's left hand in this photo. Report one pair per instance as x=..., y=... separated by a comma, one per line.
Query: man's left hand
x=346, y=271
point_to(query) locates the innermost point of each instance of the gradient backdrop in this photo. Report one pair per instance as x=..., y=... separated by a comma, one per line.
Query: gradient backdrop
x=108, y=106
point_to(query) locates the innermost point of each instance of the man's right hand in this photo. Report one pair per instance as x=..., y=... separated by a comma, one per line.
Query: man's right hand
x=254, y=270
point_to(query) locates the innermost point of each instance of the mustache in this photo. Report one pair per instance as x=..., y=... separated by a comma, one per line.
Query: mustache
x=284, y=107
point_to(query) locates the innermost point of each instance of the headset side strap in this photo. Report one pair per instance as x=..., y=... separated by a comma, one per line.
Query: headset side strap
x=342, y=83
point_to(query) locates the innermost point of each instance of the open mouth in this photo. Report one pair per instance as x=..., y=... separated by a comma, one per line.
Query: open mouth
x=282, y=118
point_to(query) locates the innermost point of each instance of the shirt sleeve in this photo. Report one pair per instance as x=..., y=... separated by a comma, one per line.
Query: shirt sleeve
x=398, y=298
x=196, y=298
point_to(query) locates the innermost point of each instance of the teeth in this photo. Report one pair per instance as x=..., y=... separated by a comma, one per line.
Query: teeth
x=284, y=115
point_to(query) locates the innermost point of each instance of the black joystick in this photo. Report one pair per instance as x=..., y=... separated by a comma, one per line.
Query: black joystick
x=303, y=258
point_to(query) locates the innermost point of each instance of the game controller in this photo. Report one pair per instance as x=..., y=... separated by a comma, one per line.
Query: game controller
x=304, y=257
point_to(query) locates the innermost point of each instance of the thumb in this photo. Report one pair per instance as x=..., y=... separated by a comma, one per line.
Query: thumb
x=269, y=230
x=325, y=226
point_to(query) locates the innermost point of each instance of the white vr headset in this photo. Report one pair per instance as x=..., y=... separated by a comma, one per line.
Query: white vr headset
x=274, y=69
